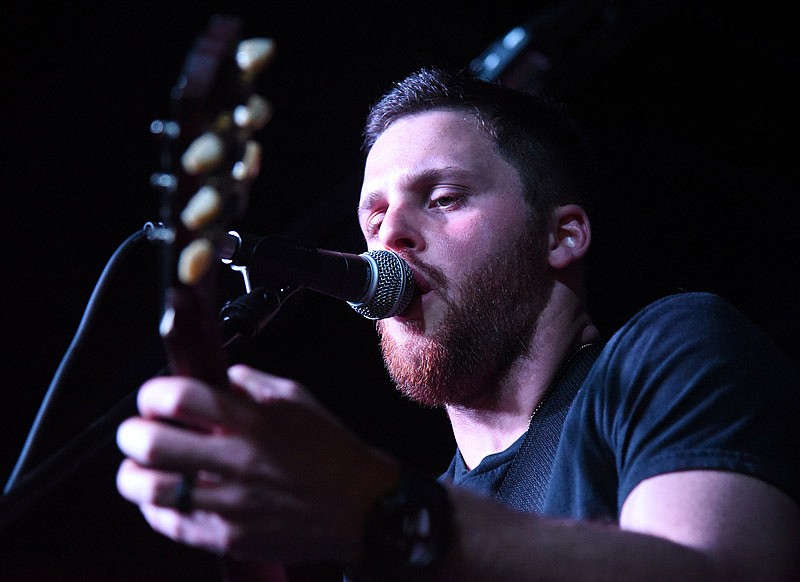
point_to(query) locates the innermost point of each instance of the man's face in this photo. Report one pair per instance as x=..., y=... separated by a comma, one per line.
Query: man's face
x=437, y=192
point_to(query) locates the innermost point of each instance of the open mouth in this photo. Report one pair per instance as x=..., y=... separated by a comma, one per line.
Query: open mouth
x=422, y=288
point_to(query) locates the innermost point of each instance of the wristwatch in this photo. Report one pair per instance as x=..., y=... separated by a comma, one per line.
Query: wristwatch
x=410, y=529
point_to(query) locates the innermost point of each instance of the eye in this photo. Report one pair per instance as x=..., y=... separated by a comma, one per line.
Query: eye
x=373, y=223
x=447, y=200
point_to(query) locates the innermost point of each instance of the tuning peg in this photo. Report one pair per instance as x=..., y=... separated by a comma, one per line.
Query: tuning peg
x=252, y=55
x=254, y=114
x=249, y=166
x=204, y=154
x=165, y=128
x=195, y=260
x=164, y=181
x=202, y=208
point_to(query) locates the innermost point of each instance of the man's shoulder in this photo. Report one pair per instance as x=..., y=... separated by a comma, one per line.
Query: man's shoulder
x=695, y=381
x=687, y=316
x=690, y=302
x=679, y=338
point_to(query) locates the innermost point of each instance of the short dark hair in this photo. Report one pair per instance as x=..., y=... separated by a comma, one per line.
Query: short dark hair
x=531, y=132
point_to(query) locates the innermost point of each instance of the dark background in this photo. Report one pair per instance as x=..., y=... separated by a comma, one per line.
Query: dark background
x=691, y=106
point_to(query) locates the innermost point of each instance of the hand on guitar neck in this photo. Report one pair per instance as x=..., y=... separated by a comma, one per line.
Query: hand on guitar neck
x=278, y=478
x=221, y=462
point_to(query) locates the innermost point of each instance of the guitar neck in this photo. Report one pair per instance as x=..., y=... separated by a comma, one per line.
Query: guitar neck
x=209, y=163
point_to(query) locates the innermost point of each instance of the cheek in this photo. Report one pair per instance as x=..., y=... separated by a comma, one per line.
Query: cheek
x=472, y=243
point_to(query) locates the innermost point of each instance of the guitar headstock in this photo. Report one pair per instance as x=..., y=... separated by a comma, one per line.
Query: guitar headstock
x=209, y=161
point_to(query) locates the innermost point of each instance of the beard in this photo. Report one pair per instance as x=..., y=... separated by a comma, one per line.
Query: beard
x=489, y=323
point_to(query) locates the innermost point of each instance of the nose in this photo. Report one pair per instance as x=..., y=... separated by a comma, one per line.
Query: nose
x=400, y=231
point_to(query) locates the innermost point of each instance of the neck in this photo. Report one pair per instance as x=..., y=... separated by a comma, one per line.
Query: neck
x=493, y=422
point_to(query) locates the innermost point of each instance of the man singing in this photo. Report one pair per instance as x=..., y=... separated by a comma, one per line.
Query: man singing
x=663, y=451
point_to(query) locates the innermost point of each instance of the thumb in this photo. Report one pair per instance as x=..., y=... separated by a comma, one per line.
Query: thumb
x=265, y=388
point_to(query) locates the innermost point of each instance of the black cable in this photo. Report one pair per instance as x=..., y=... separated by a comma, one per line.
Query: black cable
x=150, y=232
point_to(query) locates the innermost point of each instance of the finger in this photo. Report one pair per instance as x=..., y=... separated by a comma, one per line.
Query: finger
x=245, y=499
x=193, y=403
x=228, y=517
x=158, y=445
x=200, y=529
x=145, y=486
x=284, y=403
x=261, y=539
x=220, y=515
x=265, y=388
x=141, y=485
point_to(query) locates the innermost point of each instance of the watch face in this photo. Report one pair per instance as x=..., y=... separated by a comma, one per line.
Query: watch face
x=410, y=528
x=417, y=530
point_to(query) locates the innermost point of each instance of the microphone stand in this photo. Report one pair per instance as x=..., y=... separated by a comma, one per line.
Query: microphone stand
x=240, y=320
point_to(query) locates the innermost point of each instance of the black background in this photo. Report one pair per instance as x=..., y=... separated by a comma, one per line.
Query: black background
x=693, y=114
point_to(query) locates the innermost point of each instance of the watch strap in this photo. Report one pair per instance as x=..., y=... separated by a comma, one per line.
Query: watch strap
x=410, y=528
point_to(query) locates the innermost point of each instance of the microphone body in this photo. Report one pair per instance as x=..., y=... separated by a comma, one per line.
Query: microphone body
x=376, y=284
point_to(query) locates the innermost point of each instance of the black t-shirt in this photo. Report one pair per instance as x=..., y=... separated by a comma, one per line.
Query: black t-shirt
x=688, y=383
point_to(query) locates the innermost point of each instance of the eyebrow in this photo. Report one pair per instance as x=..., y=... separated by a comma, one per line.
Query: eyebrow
x=367, y=202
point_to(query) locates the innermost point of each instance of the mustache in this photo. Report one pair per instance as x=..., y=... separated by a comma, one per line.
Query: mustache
x=431, y=273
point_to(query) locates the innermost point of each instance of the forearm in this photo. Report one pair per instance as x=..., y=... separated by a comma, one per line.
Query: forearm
x=494, y=543
x=264, y=503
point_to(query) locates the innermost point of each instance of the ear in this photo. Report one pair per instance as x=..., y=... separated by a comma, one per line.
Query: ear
x=569, y=236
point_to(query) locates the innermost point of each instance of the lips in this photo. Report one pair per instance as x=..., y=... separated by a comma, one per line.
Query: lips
x=422, y=287
x=413, y=310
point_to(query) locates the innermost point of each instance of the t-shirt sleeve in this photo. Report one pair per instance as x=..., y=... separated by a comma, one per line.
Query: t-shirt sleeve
x=692, y=384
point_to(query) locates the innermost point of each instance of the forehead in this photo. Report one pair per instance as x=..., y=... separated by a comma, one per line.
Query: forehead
x=438, y=131
x=430, y=140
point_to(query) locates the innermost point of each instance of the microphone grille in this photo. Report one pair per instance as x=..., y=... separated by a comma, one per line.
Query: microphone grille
x=392, y=289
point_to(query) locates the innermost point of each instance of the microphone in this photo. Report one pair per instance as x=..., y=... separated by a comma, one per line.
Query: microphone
x=376, y=284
